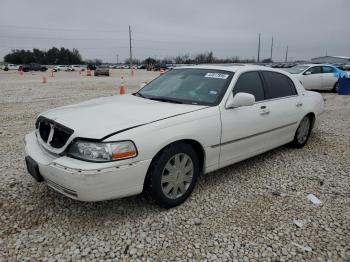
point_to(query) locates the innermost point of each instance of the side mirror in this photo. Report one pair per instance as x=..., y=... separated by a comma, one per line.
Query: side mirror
x=307, y=73
x=240, y=99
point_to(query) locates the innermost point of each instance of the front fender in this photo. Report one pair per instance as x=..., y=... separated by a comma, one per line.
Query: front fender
x=203, y=126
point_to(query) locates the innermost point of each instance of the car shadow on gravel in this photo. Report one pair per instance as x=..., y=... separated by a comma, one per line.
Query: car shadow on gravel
x=232, y=183
x=136, y=205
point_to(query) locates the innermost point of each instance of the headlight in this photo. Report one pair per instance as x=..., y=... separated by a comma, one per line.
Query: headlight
x=102, y=152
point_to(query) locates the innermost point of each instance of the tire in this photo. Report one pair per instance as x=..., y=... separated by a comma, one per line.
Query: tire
x=336, y=87
x=303, y=132
x=181, y=182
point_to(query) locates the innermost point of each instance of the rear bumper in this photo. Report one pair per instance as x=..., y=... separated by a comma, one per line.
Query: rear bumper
x=87, y=181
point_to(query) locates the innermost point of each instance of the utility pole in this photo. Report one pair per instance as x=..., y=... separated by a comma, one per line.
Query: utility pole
x=258, y=60
x=285, y=60
x=271, y=49
x=130, y=59
x=117, y=59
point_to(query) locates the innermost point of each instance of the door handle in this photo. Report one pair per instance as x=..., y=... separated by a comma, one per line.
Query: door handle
x=264, y=110
x=299, y=104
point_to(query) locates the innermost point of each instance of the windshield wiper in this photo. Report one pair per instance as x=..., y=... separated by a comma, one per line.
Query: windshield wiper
x=164, y=99
x=161, y=99
x=139, y=95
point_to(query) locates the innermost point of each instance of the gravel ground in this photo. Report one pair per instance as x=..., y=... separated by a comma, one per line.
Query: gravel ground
x=244, y=212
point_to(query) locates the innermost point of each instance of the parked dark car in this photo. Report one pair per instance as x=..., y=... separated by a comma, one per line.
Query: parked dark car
x=101, y=71
x=91, y=66
x=32, y=67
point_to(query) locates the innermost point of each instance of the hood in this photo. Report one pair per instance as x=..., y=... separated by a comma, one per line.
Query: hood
x=100, y=117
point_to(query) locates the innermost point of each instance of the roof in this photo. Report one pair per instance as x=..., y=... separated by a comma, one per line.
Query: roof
x=227, y=67
x=342, y=57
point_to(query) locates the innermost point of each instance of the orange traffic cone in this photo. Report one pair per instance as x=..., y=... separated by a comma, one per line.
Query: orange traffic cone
x=161, y=71
x=121, y=87
x=44, y=80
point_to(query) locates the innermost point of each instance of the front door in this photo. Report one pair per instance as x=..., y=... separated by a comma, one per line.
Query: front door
x=312, y=78
x=244, y=128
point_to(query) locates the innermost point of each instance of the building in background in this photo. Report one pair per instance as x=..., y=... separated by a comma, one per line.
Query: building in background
x=331, y=60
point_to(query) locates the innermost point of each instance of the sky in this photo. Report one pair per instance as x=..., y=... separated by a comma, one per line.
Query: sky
x=229, y=28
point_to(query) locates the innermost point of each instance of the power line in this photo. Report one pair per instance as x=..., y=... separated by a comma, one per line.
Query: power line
x=97, y=30
x=63, y=29
x=31, y=47
x=55, y=38
x=93, y=39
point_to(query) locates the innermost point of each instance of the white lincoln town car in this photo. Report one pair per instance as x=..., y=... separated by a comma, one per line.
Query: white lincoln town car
x=187, y=122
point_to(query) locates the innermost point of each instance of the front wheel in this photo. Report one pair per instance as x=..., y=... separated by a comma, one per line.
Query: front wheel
x=303, y=132
x=173, y=175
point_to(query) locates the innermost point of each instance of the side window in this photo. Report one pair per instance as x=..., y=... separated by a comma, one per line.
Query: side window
x=292, y=86
x=327, y=69
x=314, y=70
x=278, y=85
x=250, y=83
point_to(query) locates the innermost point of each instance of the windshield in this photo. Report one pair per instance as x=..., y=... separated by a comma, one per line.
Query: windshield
x=189, y=86
x=297, y=69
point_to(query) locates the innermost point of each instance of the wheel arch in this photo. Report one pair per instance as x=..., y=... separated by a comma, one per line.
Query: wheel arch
x=197, y=146
x=312, y=115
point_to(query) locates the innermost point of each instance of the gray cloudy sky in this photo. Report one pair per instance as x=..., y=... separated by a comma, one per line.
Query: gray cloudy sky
x=99, y=28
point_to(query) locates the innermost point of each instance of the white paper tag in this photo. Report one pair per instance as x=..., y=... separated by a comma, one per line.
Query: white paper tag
x=216, y=75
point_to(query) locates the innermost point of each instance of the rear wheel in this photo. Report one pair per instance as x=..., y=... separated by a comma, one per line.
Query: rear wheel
x=173, y=175
x=303, y=132
x=336, y=87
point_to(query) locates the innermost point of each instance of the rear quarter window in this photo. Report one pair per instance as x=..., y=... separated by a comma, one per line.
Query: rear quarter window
x=278, y=85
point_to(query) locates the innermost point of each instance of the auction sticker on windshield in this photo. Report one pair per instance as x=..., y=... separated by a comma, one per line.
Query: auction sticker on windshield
x=216, y=75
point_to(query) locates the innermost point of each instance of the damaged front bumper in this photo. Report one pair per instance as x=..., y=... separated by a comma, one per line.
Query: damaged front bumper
x=86, y=181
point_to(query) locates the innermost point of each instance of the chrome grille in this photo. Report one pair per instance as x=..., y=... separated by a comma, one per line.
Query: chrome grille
x=52, y=133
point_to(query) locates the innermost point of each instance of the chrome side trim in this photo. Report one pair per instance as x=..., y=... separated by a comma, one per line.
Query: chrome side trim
x=257, y=134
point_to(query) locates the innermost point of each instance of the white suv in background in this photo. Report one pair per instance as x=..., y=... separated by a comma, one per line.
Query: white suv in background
x=10, y=67
x=76, y=68
x=61, y=68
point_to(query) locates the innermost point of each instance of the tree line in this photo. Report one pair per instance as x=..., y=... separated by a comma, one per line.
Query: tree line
x=64, y=56
x=201, y=58
x=53, y=56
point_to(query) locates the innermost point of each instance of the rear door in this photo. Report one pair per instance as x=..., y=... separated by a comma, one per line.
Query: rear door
x=312, y=78
x=284, y=105
x=330, y=77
